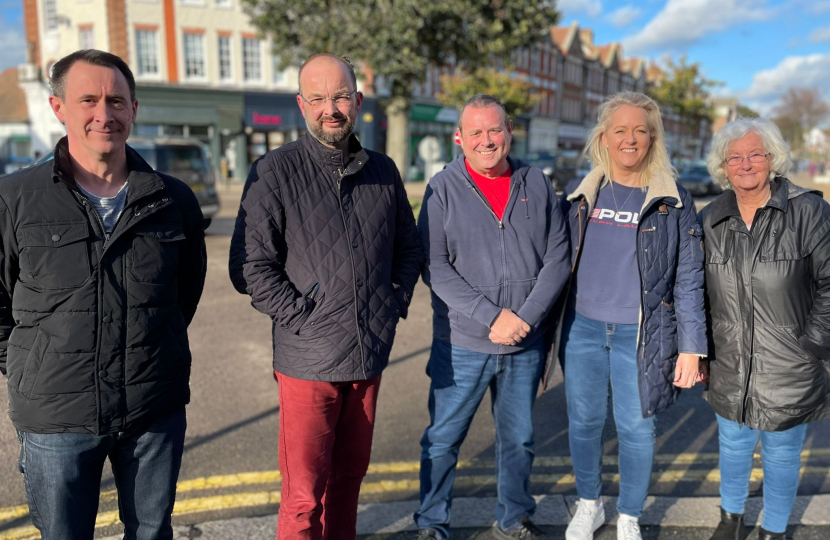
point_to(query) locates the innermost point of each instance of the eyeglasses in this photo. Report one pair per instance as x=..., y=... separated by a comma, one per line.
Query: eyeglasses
x=735, y=161
x=320, y=102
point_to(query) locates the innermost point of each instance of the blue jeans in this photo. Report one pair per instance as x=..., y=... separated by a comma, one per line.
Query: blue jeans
x=597, y=353
x=781, y=456
x=62, y=473
x=460, y=378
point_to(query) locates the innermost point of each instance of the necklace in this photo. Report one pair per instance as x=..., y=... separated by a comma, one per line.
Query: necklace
x=617, y=208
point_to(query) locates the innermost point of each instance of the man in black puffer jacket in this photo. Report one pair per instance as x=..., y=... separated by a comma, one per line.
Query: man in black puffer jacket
x=102, y=266
x=326, y=245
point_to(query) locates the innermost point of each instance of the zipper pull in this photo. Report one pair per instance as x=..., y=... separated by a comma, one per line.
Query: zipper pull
x=501, y=225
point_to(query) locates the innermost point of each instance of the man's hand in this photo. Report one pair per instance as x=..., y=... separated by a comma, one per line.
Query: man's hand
x=508, y=329
x=686, y=370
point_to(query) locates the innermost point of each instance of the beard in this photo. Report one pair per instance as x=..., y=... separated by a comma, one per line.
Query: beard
x=330, y=137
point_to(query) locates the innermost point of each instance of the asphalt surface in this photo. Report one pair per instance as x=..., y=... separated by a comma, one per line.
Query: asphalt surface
x=230, y=467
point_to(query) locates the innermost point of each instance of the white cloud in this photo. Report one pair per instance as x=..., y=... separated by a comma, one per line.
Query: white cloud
x=624, y=16
x=592, y=8
x=803, y=71
x=821, y=7
x=683, y=22
x=820, y=35
x=12, y=43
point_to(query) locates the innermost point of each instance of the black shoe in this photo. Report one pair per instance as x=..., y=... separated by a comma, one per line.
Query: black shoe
x=731, y=527
x=427, y=534
x=526, y=531
x=766, y=535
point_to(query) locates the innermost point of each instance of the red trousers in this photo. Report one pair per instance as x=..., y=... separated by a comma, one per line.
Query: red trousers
x=325, y=445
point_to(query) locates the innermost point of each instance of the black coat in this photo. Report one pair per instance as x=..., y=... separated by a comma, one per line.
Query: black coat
x=768, y=298
x=327, y=247
x=93, y=331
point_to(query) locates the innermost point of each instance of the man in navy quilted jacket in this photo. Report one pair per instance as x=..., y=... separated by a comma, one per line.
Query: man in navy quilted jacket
x=497, y=260
x=326, y=245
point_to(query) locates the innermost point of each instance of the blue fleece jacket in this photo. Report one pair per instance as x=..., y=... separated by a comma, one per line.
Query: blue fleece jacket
x=478, y=265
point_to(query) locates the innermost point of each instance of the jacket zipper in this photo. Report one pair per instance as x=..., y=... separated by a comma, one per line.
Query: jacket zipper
x=342, y=173
x=500, y=221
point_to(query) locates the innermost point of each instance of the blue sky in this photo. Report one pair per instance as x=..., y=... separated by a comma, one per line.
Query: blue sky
x=758, y=48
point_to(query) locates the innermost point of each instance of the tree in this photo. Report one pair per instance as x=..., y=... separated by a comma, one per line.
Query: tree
x=398, y=39
x=798, y=112
x=516, y=95
x=685, y=90
x=746, y=112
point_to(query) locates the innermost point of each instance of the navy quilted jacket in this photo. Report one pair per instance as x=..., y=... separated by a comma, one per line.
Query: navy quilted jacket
x=670, y=255
x=329, y=250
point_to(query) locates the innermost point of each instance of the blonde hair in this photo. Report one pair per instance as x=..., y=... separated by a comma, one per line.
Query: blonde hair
x=657, y=161
x=779, y=163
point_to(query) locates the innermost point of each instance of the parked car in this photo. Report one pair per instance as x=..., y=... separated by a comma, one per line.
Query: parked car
x=183, y=159
x=697, y=181
x=547, y=162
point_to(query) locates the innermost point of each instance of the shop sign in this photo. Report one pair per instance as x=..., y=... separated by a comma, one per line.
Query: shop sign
x=266, y=119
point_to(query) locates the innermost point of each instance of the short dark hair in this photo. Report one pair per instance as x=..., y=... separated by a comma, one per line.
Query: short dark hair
x=342, y=59
x=480, y=101
x=57, y=81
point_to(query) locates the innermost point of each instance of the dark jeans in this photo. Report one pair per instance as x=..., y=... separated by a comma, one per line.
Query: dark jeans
x=62, y=473
x=460, y=378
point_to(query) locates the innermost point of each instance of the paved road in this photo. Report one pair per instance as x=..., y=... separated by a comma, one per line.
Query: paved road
x=230, y=464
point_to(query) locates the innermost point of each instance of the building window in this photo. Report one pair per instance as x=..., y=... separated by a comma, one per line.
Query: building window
x=223, y=4
x=50, y=14
x=225, y=58
x=194, y=56
x=251, y=60
x=278, y=74
x=147, y=52
x=86, y=38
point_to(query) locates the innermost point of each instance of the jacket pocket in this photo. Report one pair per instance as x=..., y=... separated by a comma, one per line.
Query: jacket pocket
x=154, y=257
x=470, y=326
x=32, y=366
x=516, y=293
x=56, y=255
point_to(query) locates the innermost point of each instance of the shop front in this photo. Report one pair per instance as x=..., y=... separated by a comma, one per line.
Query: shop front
x=272, y=120
x=213, y=117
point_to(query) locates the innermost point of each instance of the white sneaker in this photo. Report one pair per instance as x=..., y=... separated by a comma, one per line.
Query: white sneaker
x=590, y=516
x=628, y=528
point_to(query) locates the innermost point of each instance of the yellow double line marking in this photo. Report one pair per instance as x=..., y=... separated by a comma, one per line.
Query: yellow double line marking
x=248, y=500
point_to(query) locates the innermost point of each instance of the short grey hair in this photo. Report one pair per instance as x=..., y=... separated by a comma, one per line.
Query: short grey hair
x=738, y=129
x=481, y=101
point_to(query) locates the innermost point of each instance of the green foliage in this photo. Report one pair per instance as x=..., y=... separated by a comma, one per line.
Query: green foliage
x=517, y=96
x=746, y=112
x=398, y=39
x=685, y=90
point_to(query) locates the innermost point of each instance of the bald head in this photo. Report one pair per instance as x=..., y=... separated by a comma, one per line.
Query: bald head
x=326, y=65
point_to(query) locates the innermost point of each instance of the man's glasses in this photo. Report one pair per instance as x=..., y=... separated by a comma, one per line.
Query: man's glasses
x=735, y=161
x=320, y=102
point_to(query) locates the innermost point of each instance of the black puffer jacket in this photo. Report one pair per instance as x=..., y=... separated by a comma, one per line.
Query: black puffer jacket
x=93, y=331
x=768, y=298
x=329, y=250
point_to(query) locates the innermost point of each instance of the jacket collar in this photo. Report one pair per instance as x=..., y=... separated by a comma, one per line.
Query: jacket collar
x=326, y=156
x=142, y=177
x=661, y=187
x=782, y=190
x=519, y=169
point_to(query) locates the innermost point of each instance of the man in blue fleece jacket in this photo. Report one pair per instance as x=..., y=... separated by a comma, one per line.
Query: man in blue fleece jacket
x=497, y=260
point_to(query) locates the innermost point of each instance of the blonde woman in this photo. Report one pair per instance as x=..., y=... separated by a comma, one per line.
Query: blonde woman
x=633, y=316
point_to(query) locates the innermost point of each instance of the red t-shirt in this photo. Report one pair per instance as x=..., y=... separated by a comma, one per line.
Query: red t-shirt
x=495, y=190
